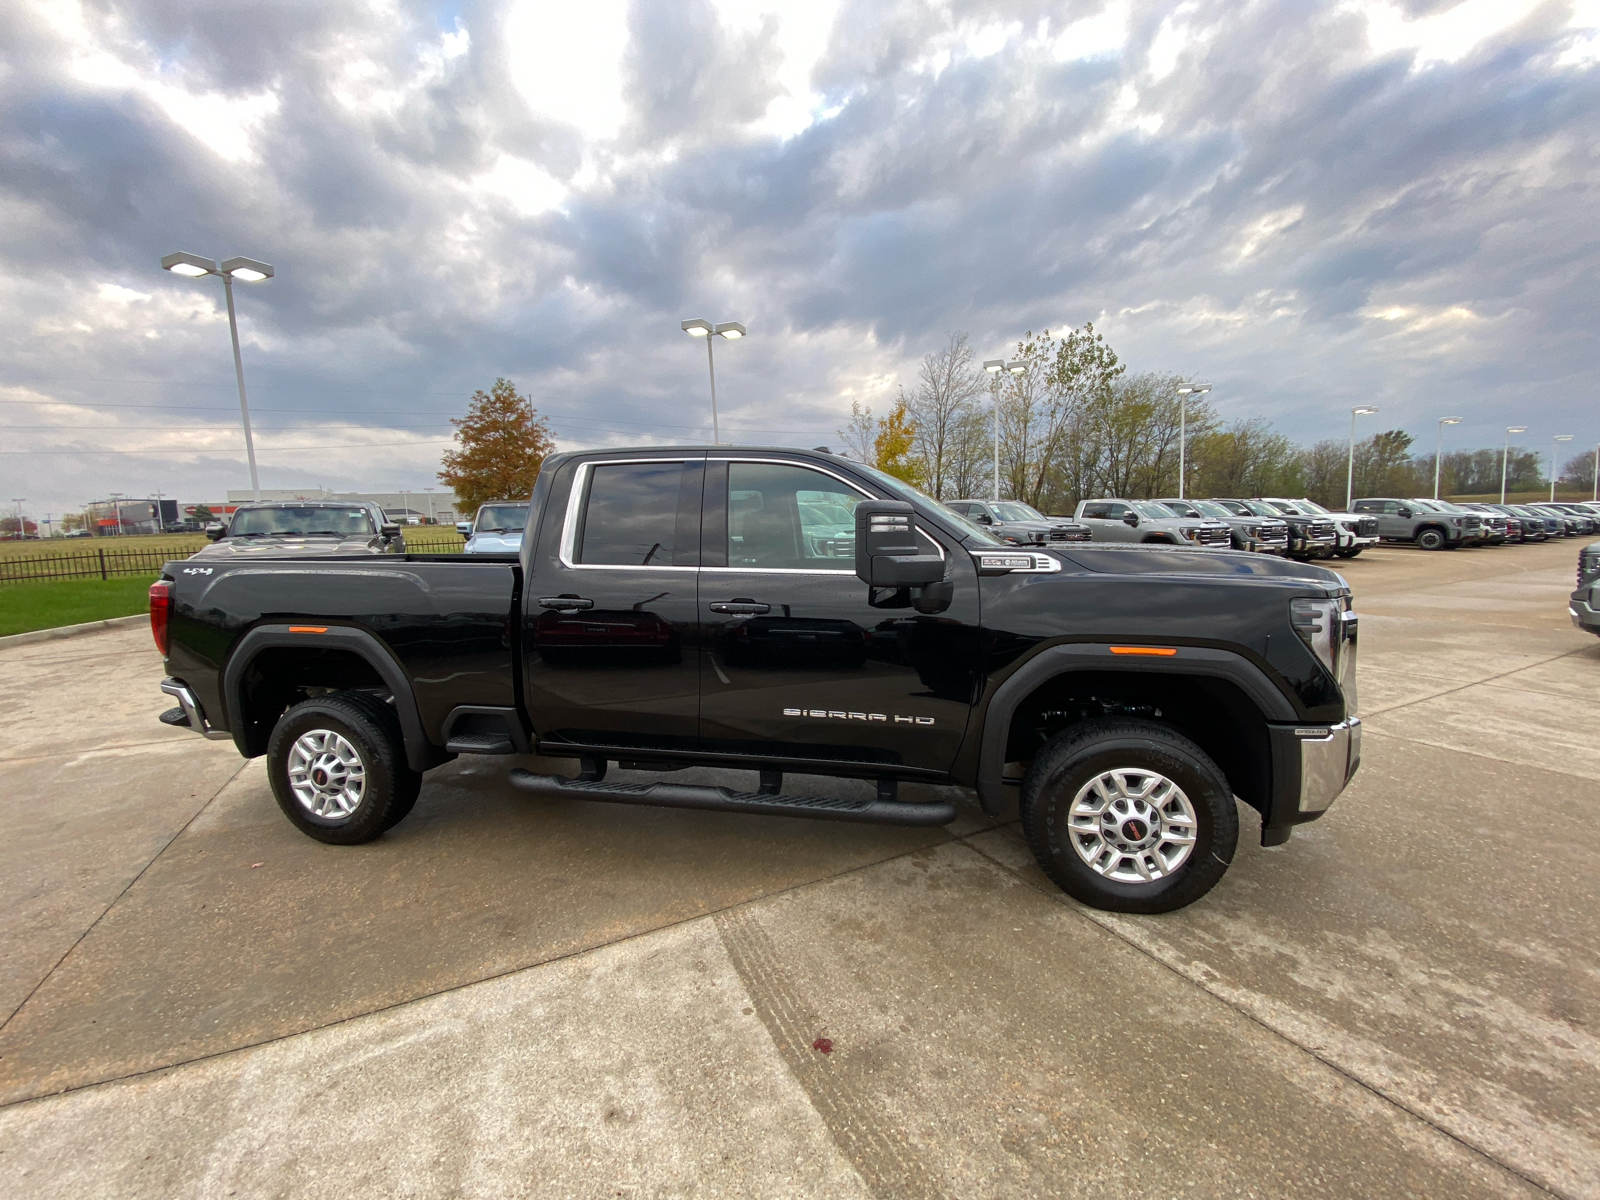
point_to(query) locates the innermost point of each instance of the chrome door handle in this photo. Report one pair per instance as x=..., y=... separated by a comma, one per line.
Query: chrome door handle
x=752, y=607
x=570, y=603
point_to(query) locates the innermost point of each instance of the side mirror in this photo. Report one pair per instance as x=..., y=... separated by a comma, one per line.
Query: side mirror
x=985, y=519
x=390, y=531
x=886, y=547
x=215, y=532
x=1130, y=518
x=1404, y=512
x=464, y=528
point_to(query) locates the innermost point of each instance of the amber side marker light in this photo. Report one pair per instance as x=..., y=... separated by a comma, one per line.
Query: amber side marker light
x=1156, y=651
x=308, y=629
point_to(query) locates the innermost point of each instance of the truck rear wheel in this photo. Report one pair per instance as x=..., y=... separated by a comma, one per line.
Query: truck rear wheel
x=1129, y=816
x=338, y=768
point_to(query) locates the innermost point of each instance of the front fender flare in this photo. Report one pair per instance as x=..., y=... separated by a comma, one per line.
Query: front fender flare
x=1085, y=656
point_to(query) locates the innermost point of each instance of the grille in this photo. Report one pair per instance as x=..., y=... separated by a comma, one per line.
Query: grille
x=1367, y=527
x=1214, y=537
x=1273, y=533
x=1070, y=533
x=1472, y=524
x=1588, y=567
x=1321, y=529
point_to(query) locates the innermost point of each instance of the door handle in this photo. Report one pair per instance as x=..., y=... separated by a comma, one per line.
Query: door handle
x=571, y=603
x=753, y=607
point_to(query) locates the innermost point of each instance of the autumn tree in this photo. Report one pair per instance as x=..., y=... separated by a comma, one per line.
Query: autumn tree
x=503, y=443
x=892, y=448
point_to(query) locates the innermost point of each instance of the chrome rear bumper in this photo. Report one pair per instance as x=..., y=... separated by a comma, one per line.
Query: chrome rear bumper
x=194, y=715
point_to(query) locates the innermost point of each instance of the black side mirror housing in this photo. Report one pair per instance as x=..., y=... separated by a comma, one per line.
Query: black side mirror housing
x=985, y=519
x=1130, y=518
x=886, y=547
x=390, y=531
x=1404, y=512
x=214, y=532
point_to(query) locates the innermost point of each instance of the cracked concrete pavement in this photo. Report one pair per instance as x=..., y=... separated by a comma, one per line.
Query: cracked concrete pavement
x=509, y=996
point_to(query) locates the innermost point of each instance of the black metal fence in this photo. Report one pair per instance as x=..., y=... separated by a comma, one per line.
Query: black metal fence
x=95, y=564
x=121, y=564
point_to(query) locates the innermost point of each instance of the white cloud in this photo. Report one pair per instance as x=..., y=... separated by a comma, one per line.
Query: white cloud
x=1099, y=36
x=803, y=30
x=1447, y=36
x=529, y=188
x=566, y=61
x=1170, y=42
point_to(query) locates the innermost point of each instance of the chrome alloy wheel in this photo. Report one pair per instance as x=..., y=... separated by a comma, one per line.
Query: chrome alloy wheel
x=1132, y=826
x=326, y=774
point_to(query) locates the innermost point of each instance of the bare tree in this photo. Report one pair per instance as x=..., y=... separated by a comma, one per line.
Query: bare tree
x=859, y=433
x=948, y=386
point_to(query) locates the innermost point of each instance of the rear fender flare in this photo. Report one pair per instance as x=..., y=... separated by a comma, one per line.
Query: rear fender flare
x=1082, y=656
x=420, y=752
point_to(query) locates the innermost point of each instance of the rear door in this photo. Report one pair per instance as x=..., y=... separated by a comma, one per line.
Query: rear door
x=610, y=629
x=796, y=663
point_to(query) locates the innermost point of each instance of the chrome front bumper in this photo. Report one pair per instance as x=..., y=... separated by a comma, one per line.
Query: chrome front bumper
x=195, y=716
x=1329, y=756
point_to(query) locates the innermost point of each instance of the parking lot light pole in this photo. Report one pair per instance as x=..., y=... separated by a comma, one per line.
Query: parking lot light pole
x=22, y=526
x=733, y=331
x=1556, y=443
x=1361, y=410
x=1597, y=474
x=1505, y=456
x=1438, y=452
x=994, y=366
x=251, y=271
x=1187, y=390
x=116, y=503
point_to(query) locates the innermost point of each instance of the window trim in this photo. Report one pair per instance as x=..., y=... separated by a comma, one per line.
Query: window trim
x=579, y=496
x=806, y=466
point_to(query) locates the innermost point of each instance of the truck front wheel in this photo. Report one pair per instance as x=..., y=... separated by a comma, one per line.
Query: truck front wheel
x=1430, y=539
x=1129, y=816
x=338, y=768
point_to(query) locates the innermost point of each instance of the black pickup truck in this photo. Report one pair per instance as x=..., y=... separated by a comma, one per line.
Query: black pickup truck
x=678, y=607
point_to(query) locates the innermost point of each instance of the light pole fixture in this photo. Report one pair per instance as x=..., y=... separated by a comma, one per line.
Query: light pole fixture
x=700, y=328
x=1505, y=456
x=251, y=271
x=1361, y=410
x=1187, y=390
x=1012, y=366
x=1438, y=451
x=1557, y=440
x=432, y=520
x=22, y=525
x=116, y=503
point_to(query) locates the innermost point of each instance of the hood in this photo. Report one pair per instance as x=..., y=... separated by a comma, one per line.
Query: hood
x=290, y=546
x=1107, y=558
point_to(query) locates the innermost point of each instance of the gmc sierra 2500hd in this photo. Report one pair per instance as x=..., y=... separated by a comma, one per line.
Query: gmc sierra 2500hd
x=677, y=607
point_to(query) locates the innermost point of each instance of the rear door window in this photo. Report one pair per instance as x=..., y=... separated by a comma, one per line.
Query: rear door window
x=630, y=517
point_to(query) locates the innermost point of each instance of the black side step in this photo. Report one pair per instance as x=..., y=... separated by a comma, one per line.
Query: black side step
x=721, y=799
x=480, y=743
x=175, y=716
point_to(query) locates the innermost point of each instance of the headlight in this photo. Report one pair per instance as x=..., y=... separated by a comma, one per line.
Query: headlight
x=1252, y=530
x=1329, y=628
x=1456, y=521
x=1191, y=532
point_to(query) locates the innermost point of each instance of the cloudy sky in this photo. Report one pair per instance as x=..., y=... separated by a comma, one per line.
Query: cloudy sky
x=1310, y=205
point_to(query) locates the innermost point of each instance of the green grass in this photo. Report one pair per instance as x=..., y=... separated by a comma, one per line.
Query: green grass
x=25, y=607
x=177, y=544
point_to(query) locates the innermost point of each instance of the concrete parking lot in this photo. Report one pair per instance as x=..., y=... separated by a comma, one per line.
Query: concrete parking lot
x=510, y=996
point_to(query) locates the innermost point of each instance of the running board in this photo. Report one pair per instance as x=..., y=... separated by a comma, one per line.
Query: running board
x=721, y=799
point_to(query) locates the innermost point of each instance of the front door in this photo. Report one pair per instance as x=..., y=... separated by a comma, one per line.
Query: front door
x=610, y=628
x=796, y=663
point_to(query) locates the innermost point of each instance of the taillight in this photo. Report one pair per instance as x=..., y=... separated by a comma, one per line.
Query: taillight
x=160, y=610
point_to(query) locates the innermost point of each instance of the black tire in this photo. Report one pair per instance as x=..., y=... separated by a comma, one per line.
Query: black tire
x=1430, y=539
x=1073, y=760
x=370, y=728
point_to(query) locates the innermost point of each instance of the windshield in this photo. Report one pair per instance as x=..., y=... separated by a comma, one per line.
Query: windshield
x=1184, y=508
x=502, y=518
x=1428, y=505
x=1260, y=509
x=338, y=522
x=1313, y=508
x=902, y=490
x=1012, y=510
x=1152, y=510
x=1278, y=508
x=1210, y=508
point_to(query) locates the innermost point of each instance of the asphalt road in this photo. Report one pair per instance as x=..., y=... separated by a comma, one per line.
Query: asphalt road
x=509, y=996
